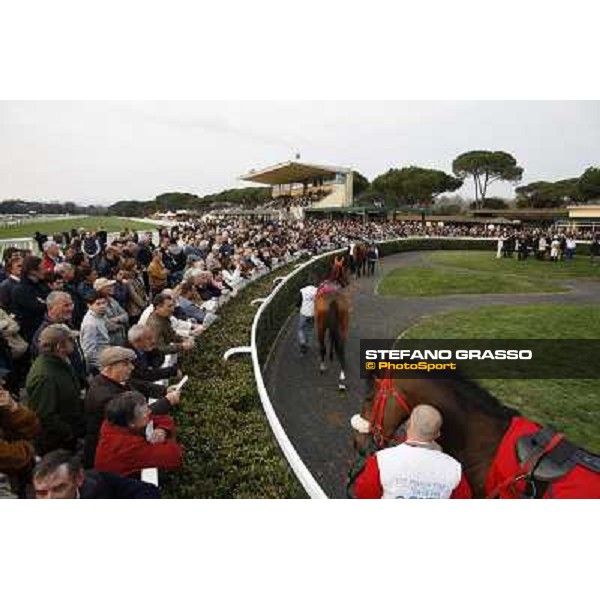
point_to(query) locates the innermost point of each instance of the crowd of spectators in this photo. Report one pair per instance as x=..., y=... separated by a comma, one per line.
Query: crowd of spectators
x=86, y=389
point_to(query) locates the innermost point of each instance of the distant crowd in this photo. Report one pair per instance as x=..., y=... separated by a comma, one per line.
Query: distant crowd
x=91, y=333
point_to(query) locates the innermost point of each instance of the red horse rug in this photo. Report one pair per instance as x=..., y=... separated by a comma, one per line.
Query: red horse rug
x=536, y=462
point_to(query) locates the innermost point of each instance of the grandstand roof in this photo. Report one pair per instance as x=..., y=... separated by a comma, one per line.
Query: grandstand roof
x=292, y=172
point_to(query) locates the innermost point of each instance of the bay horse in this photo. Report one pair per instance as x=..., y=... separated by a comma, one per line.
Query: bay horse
x=359, y=258
x=332, y=314
x=503, y=454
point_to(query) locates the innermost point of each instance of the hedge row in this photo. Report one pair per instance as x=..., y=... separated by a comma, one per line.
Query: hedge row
x=407, y=245
x=230, y=451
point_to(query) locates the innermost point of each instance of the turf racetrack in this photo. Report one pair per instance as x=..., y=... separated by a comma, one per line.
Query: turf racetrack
x=312, y=411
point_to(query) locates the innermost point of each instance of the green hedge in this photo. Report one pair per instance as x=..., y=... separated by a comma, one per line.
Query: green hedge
x=407, y=245
x=230, y=451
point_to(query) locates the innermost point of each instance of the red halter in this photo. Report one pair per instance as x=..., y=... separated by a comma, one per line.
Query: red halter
x=385, y=386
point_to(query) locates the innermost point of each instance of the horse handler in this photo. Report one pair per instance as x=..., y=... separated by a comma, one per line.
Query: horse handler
x=306, y=321
x=416, y=468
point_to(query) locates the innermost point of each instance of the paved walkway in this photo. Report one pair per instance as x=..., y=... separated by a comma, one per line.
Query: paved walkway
x=315, y=414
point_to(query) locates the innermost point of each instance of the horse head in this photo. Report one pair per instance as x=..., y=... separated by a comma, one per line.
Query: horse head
x=338, y=271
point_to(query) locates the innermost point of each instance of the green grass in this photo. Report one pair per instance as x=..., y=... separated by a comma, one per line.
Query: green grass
x=571, y=406
x=439, y=281
x=487, y=262
x=59, y=225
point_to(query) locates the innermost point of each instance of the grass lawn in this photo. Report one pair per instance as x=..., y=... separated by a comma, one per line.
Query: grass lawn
x=487, y=262
x=571, y=406
x=58, y=225
x=439, y=281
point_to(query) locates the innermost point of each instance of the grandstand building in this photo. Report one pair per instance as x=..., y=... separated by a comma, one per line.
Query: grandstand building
x=297, y=186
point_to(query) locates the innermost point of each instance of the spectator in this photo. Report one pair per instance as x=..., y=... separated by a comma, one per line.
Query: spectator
x=108, y=263
x=51, y=256
x=94, y=330
x=373, y=257
x=54, y=392
x=91, y=247
x=67, y=271
x=29, y=297
x=157, y=273
x=116, y=317
x=137, y=298
x=188, y=301
x=132, y=438
x=60, y=476
x=14, y=267
x=85, y=276
x=116, y=365
x=159, y=322
x=571, y=246
x=149, y=360
x=18, y=427
x=41, y=239
x=60, y=311
x=144, y=256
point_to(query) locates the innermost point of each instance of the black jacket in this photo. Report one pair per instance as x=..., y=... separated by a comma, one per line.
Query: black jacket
x=6, y=289
x=79, y=304
x=29, y=305
x=106, y=486
x=148, y=366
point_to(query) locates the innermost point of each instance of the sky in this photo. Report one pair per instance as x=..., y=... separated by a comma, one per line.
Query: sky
x=102, y=152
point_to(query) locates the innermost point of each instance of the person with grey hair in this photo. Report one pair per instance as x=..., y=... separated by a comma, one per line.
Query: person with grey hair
x=54, y=391
x=417, y=468
x=59, y=309
x=147, y=365
x=51, y=257
x=132, y=438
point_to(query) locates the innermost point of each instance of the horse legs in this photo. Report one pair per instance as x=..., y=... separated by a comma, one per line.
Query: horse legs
x=340, y=351
x=342, y=382
x=322, y=351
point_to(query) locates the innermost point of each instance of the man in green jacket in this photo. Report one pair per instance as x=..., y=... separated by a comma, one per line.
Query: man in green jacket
x=54, y=392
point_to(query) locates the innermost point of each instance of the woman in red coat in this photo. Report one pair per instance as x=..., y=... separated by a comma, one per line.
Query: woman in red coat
x=132, y=438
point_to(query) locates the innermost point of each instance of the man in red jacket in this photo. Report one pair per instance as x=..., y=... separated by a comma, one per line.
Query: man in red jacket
x=416, y=469
x=132, y=438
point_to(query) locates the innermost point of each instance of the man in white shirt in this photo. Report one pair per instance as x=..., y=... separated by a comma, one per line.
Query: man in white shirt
x=306, y=321
x=415, y=469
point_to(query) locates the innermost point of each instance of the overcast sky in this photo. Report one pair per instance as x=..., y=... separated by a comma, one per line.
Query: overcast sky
x=102, y=152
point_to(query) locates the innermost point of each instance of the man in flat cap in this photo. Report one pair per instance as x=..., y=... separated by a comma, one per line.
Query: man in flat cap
x=116, y=366
x=54, y=391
